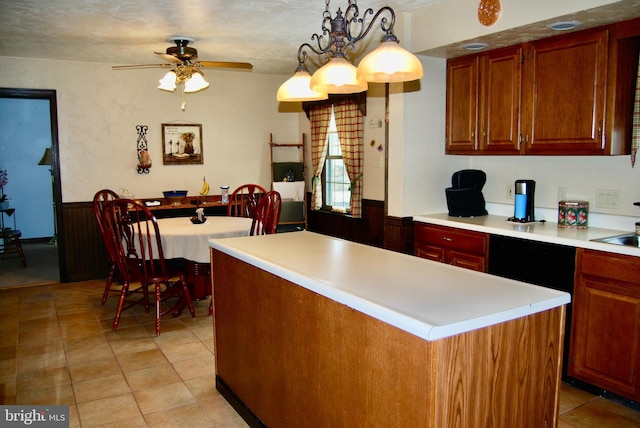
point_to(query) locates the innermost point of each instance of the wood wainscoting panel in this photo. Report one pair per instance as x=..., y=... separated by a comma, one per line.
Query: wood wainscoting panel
x=86, y=256
x=398, y=234
x=369, y=229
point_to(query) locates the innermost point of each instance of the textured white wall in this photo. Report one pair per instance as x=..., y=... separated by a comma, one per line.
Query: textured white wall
x=98, y=110
x=419, y=171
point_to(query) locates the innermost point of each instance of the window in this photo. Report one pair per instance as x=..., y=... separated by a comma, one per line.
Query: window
x=336, y=184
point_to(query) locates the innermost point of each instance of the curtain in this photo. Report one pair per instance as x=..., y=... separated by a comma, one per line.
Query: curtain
x=319, y=118
x=635, y=132
x=350, y=125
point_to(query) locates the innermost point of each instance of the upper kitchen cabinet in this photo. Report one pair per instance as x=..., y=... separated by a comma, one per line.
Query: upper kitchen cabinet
x=462, y=104
x=483, y=102
x=565, y=82
x=565, y=95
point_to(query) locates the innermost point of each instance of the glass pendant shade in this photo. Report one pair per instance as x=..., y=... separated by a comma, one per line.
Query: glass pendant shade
x=298, y=88
x=195, y=83
x=168, y=82
x=338, y=76
x=390, y=62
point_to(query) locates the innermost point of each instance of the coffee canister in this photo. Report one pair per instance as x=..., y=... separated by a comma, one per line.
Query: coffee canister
x=573, y=214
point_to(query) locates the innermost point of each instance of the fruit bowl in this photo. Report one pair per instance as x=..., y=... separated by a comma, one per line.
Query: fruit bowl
x=175, y=197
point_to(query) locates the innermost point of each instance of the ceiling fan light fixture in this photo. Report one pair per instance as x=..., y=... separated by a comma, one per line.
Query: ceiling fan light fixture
x=195, y=83
x=168, y=82
x=390, y=62
x=338, y=76
x=298, y=88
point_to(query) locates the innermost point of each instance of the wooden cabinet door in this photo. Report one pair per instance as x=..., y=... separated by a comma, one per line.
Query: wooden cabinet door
x=605, y=338
x=467, y=261
x=462, y=105
x=430, y=252
x=565, y=94
x=500, y=98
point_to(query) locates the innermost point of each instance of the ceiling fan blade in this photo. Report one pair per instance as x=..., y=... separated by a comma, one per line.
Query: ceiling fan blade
x=168, y=57
x=225, y=64
x=125, y=67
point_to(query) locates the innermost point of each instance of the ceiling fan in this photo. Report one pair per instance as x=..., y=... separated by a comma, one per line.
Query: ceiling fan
x=183, y=54
x=185, y=67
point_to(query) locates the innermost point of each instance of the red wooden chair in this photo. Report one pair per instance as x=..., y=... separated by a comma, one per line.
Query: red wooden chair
x=137, y=246
x=99, y=200
x=267, y=214
x=244, y=200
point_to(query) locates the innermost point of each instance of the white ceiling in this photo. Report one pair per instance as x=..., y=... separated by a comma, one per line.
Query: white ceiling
x=266, y=33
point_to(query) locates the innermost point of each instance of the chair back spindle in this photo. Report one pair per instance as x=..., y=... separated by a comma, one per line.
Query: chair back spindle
x=244, y=200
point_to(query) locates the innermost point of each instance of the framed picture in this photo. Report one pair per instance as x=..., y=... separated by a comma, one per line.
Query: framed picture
x=182, y=144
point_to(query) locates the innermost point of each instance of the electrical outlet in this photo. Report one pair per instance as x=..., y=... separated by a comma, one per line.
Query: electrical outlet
x=608, y=199
x=510, y=192
x=562, y=193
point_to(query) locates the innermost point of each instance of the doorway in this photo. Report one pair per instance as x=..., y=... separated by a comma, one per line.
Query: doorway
x=30, y=126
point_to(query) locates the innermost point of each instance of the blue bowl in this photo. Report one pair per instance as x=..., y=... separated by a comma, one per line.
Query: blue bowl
x=175, y=197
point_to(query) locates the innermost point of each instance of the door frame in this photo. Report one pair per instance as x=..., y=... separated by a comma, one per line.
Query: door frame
x=51, y=96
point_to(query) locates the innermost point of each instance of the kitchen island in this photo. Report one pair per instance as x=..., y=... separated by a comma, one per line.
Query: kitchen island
x=317, y=331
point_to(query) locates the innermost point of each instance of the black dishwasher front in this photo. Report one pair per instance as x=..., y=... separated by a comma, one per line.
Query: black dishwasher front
x=540, y=263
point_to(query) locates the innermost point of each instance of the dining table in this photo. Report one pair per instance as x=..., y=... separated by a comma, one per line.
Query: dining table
x=182, y=239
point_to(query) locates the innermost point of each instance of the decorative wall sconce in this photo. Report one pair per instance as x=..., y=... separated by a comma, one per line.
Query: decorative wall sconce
x=389, y=62
x=144, y=160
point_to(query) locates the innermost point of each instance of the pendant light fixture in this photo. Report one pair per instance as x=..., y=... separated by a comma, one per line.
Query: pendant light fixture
x=387, y=63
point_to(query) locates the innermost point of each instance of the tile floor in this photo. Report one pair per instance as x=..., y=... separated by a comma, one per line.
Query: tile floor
x=57, y=347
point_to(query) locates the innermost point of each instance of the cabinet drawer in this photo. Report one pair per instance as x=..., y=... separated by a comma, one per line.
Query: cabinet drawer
x=457, y=239
x=429, y=252
x=614, y=266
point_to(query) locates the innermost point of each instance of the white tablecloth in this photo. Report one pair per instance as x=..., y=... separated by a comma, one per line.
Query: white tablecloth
x=183, y=239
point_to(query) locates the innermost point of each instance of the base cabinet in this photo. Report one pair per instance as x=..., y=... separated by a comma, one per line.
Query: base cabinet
x=456, y=247
x=605, y=341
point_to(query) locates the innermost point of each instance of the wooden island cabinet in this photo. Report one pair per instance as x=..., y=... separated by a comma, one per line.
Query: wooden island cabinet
x=319, y=332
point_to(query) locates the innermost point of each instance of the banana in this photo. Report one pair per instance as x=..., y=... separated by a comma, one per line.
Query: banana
x=205, y=187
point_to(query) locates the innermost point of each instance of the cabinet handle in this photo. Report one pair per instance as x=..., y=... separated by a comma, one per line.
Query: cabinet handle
x=484, y=134
x=444, y=238
x=473, y=135
x=599, y=131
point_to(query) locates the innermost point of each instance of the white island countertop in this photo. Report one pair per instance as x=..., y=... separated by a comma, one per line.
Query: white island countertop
x=428, y=299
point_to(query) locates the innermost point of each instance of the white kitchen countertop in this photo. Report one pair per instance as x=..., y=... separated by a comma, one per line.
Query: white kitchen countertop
x=545, y=232
x=428, y=299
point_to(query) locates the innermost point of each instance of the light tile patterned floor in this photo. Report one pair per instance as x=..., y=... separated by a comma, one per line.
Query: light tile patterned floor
x=57, y=347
